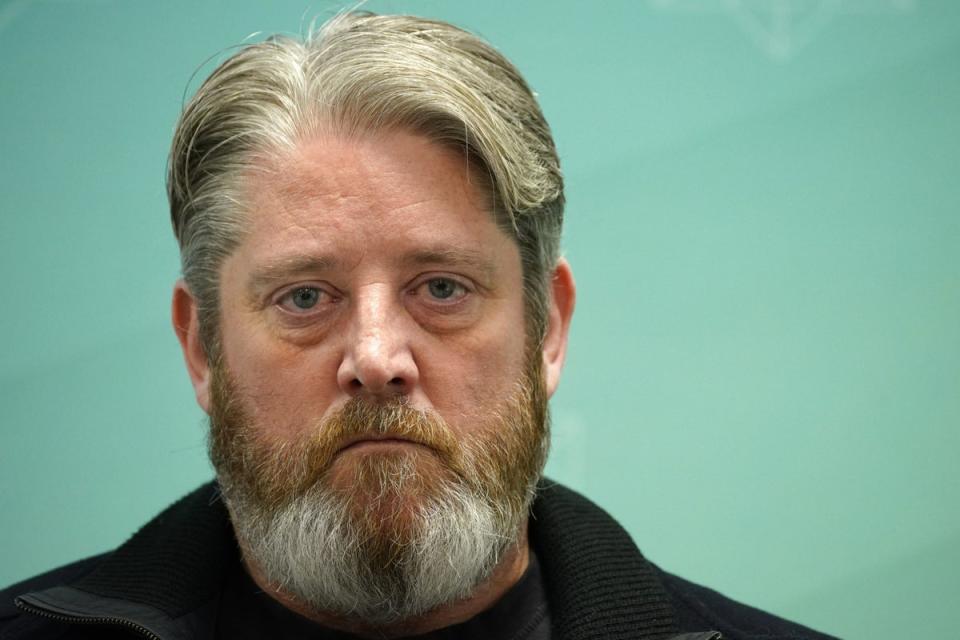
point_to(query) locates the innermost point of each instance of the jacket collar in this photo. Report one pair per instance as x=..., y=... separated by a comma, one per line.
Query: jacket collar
x=598, y=583
x=165, y=581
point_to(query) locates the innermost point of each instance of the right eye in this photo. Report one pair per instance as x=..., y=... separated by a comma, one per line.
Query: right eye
x=302, y=299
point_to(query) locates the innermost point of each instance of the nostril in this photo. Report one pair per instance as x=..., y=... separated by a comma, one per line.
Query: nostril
x=356, y=384
x=396, y=382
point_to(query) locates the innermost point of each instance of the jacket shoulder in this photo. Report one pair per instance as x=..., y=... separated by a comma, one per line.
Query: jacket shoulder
x=698, y=607
x=13, y=624
x=55, y=577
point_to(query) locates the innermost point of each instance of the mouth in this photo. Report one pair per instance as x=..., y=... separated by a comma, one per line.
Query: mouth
x=378, y=441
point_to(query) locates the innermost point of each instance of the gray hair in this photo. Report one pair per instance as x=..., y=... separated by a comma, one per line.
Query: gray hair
x=363, y=72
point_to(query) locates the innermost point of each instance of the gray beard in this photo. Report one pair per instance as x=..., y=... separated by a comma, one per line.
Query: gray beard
x=315, y=548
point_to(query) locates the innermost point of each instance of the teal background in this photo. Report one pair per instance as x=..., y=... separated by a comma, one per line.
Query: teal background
x=763, y=382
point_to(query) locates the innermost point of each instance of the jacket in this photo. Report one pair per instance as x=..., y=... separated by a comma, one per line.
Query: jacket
x=164, y=583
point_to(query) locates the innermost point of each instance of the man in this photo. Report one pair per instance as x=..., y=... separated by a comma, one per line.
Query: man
x=373, y=312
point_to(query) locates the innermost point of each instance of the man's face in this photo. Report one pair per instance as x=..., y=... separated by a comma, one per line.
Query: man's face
x=372, y=270
x=378, y=416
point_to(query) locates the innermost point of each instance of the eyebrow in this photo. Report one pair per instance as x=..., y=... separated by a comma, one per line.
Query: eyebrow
x=451, y=257
x=281, y=269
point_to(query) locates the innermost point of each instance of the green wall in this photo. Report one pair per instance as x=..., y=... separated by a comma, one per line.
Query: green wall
x=764, y=378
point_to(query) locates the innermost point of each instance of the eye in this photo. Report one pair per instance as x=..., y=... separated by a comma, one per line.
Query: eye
x=305, y=297
x=301, y=299
x=444, y=290
x=444, y=303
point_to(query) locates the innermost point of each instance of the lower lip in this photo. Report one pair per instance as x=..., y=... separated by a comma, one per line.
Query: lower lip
x=384, y=444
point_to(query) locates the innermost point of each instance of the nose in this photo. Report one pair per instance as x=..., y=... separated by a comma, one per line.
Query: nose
x=377, y=359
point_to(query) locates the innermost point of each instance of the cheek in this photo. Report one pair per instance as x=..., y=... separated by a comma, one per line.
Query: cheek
x=467, y=382
x=285, y=388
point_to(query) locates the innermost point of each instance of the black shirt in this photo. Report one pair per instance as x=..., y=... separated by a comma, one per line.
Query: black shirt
x=247, y=612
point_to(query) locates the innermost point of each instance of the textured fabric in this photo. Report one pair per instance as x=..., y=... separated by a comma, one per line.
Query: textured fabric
x=599, y=590
x=187, y=541
x=168, y=579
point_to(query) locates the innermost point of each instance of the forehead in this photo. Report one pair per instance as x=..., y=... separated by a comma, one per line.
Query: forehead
x=338, y=194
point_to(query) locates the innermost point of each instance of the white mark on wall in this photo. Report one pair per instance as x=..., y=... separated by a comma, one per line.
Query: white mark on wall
x=782, y=27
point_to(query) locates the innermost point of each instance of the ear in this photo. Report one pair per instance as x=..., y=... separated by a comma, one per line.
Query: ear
x=187, y=328
x=562, y=299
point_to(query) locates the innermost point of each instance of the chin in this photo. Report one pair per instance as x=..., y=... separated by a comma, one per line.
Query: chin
x=388, y=486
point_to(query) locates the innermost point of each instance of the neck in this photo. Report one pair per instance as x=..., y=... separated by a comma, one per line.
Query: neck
x=507, y=573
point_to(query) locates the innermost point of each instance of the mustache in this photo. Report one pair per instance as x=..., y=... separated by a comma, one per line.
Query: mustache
x=360, y=418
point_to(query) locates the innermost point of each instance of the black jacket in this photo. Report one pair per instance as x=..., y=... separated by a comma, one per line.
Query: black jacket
x=165, y=583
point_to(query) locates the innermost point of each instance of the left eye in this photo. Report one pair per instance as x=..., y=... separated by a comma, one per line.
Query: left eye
x=445, y=288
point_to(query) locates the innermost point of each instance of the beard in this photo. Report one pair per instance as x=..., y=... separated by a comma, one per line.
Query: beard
x=387, y=535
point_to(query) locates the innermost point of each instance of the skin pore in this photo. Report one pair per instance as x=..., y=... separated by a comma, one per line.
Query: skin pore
x=372, y=269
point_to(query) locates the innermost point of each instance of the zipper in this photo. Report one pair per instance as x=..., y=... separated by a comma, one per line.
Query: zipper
x=101, y=620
